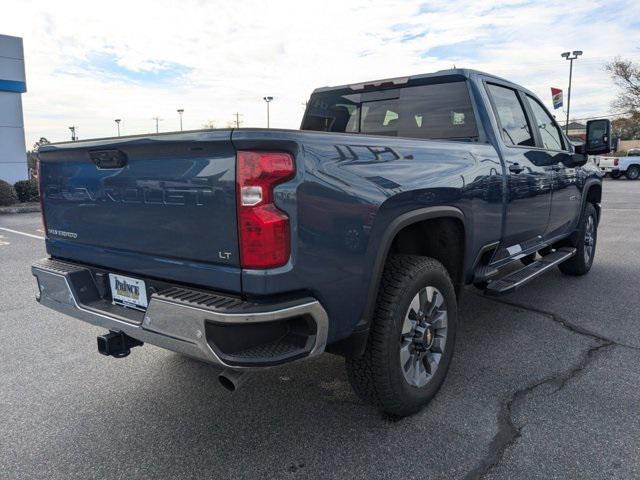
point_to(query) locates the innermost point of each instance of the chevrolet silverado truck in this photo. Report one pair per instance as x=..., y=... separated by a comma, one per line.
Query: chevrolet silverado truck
x=355, y=235
x=629, y=165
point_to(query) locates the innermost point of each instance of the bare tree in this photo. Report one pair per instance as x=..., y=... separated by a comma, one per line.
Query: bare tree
x=626, y=75
x=210, y=125
x=627, y=128
x=32, y=157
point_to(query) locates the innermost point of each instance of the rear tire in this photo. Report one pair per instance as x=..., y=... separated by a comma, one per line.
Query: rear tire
x=633, y=172
x=581, y=262
x=615, y=174
x=412, y=336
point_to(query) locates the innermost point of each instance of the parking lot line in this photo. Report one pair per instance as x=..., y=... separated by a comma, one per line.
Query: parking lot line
x=22, y=233
x=630, y=209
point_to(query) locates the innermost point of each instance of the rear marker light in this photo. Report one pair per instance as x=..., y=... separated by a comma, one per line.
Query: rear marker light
x=263, y=229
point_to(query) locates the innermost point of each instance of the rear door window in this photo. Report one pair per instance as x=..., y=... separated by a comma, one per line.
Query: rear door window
x=514, y=126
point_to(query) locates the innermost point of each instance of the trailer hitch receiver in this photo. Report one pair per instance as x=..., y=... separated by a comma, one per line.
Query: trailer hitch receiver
x=117, y=344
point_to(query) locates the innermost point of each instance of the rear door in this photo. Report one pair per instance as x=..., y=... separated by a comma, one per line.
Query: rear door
x=161, y=206
x=529, y=174
x=566, y=197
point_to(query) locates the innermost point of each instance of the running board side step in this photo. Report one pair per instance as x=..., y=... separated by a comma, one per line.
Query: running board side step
x=515, y=280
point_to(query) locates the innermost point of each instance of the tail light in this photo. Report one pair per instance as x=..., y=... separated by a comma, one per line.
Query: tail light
x=263, y=229
x=41, y=197
x=615, y=162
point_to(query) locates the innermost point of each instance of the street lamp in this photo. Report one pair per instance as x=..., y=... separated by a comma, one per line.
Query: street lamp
x=571, y=56
x=180, y=112
x=118, y=120
x=268, y=100
x=73, y=133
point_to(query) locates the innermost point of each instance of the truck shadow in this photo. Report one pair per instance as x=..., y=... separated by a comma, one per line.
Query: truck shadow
x=303, y=418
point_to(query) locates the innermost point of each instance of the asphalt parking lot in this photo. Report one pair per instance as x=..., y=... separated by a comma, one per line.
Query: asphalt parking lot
x=544, y=384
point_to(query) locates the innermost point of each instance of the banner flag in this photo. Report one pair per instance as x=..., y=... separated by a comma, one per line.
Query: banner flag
x=556, y=95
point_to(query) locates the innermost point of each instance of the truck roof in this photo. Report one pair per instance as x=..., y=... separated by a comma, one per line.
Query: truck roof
x=460, y=72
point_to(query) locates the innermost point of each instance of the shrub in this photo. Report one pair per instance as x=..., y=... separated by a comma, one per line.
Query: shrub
x=7, y=194
x=27, y=190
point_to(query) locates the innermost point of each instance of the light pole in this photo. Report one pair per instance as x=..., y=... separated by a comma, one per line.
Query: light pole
x=180, y=112
x=571, y=56
x=118, y=120
x=73, y=133
x=268, y=100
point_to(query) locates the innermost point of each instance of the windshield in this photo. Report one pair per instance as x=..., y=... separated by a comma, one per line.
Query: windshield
x=441, y=110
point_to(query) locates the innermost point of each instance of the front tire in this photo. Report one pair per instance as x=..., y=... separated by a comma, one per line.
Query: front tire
x=412, y=336
x=581, y=262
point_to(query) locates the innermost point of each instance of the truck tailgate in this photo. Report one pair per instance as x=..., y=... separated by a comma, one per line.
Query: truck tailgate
x=160, y=205
x=607, y=162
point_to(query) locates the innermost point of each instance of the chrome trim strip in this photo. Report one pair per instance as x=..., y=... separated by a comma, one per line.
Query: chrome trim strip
x=159, y=327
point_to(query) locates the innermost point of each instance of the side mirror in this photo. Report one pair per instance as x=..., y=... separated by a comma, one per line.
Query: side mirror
x=598, y=137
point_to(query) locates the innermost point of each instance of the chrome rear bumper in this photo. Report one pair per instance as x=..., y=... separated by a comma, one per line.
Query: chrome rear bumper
x=174, y=324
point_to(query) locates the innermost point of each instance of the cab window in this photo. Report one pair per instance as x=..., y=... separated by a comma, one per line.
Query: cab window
x=380, y=118
x=514, y=127
x=549, y=131
x=434, y=111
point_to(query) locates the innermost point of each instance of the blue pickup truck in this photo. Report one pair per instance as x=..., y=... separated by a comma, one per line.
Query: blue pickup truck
x=355, y=235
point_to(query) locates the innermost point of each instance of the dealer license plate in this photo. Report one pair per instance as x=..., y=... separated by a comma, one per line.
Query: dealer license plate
x=128, y=291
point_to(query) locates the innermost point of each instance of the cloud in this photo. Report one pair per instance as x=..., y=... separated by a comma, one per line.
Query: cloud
x=91, y=62
x=109, y=66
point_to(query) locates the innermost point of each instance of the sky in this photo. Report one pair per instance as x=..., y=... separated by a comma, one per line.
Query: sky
x=88, y=63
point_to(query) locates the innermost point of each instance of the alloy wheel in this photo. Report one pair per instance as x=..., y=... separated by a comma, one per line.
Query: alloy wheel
x=423, y=337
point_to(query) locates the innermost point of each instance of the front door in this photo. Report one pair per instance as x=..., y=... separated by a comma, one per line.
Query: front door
x=528, y=172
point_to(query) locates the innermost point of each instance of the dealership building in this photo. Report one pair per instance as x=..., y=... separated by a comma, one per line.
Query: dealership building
x=13, y=158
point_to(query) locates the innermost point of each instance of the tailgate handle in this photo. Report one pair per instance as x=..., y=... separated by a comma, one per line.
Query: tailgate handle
x=108, y=158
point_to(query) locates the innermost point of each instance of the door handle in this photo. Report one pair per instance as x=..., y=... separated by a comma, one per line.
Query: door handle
x=515, y=168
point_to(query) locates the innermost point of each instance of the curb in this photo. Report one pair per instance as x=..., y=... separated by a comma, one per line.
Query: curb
x=20, y=209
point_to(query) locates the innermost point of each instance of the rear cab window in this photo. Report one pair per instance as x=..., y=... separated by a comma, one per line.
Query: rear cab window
x=434, y=111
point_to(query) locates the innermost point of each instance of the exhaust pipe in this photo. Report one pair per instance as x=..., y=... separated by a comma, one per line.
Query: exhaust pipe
x=232, y=379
